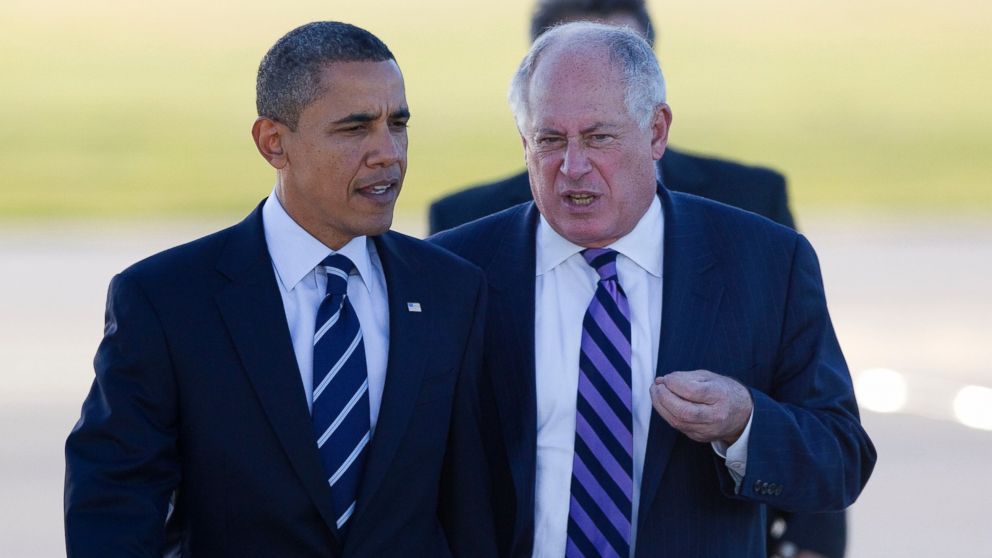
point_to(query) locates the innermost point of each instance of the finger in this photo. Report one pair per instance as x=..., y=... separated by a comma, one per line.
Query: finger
x=678, y=411
x=698, y=386
x=662, y=397
x=659, y=395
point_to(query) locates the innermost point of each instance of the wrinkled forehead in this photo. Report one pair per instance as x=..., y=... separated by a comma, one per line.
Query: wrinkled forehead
x=577, y=84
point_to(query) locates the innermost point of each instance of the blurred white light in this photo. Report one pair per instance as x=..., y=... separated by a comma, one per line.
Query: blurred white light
x=973, y=407
x=881, y=390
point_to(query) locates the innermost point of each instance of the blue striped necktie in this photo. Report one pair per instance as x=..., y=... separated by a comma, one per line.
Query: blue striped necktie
x=341, y=421
x=599, y=512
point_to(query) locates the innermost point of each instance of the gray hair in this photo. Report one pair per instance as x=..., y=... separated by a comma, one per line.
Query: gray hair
x=289, y=75
x=628, y=52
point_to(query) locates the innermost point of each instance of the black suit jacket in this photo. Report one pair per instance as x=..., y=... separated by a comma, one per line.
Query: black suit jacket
x=742, y=297
x=198, y=397
x=755, y=189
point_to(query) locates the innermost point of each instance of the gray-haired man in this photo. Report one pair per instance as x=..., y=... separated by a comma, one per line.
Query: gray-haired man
x=658, y=367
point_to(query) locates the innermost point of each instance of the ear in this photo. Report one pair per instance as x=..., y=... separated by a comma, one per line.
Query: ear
x=660, y=124
x=269, y=137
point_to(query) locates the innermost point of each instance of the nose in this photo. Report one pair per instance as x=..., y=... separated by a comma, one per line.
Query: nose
x=575, y=162
x=386, y=147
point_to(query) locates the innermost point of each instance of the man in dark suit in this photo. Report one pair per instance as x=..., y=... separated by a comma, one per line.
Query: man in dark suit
x=756, y=189
x=284, y=387
x=658, y=367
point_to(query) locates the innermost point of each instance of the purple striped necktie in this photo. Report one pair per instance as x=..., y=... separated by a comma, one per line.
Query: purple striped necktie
x=599, y=513
x=341, y=419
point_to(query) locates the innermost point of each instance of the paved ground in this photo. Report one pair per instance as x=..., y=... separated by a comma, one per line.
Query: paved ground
x=913, y=297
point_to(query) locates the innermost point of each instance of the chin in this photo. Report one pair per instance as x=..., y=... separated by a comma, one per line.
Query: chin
x=379, y=227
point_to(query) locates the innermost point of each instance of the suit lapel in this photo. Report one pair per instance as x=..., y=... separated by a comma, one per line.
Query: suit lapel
x=409, y=339
x=690, y=299
x=510, y=352
x=253, y=311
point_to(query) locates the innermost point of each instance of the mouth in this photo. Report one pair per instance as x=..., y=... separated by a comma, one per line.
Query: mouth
x=380, y=189
x=383, y=191
x=579, y=199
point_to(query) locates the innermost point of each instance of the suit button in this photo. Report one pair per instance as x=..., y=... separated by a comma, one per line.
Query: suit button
x=778, y=490
x=760, y=486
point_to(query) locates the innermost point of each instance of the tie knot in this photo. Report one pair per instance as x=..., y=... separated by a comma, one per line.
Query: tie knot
x=338, y=267
x=603, y=260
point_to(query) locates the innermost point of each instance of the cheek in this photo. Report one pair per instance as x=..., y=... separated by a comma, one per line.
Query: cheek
x=548, y=165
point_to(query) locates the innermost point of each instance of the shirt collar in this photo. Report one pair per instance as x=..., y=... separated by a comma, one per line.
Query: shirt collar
x=642, y=245
x=295, y=252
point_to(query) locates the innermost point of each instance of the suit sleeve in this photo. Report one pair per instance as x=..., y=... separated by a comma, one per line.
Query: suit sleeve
x=465, y=509
x=121, y=457
x=807, y=450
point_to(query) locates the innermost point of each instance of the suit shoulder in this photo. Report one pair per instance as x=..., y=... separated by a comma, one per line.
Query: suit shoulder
x=731, y=221
x=432, y=256
x=478, y=201
x=479, y=240
x=736, y=172
x=485, y=191
x=754, y=188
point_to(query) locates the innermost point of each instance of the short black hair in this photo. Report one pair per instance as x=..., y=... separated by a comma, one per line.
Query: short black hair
x=549, y=13
x=289, y=74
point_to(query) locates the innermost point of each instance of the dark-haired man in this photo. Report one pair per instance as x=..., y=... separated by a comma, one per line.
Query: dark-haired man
x=285, y=387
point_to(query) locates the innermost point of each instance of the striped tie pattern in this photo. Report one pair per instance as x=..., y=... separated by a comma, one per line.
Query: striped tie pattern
x=599, y=513
x=340, y=390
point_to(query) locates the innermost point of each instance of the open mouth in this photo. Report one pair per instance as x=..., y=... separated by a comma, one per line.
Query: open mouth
x=380, y=190
x=581, y=199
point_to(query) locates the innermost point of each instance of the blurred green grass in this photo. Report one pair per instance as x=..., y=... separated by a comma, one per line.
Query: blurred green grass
x=111, y=109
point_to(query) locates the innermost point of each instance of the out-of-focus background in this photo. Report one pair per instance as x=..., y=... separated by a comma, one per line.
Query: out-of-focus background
x=125, y=129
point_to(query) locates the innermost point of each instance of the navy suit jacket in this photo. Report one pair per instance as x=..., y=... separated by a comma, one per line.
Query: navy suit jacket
x=198, y=398
x=742, y=297
x=754, y=189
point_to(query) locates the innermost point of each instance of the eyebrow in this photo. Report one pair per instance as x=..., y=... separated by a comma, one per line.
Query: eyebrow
x=358, y=117
x=363, y=117
x=595, y=127
x=598, y=126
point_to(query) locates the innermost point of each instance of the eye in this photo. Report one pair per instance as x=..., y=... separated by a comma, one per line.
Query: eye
x=600, y=138
x=352, y=128
x=548, y=141
x=399, y=124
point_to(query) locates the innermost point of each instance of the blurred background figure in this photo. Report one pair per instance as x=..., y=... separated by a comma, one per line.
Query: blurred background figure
x=756, y=189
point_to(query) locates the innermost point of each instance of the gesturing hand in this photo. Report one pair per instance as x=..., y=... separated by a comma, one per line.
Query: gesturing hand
x=704, y=406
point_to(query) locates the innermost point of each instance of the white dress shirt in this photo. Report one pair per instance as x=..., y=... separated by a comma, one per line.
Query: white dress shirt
x=565, y=285
x=295, y=255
